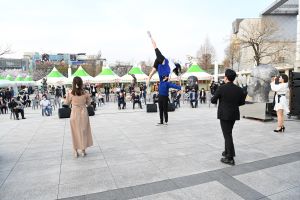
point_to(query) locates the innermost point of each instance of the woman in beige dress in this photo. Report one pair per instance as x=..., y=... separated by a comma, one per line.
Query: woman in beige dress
x=79, y=120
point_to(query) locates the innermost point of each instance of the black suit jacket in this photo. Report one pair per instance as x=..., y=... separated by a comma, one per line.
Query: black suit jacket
x=230, y=97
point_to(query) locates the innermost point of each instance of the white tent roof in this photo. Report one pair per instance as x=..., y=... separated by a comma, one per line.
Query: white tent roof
x=54, y=78
x=174, y=77
x=106, y=76
x=199, y=75
x=6, y=83
x=128, y=78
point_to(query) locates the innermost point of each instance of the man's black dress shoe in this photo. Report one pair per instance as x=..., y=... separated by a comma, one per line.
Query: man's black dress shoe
x=228, y=161
x=224, y=154
x=23, y=118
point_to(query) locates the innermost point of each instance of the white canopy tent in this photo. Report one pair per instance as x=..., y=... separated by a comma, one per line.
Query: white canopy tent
x=139, y=74
x=196, y=70
x=106, y=76
x=53, y=78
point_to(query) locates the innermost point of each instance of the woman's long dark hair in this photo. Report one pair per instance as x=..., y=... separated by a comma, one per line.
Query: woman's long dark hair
x=77, y=87
x=285, y=78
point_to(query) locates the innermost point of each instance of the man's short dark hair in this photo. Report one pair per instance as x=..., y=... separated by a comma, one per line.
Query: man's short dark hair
x=230, y=74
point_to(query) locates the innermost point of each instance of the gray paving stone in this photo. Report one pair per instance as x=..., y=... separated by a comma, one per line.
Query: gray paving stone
x=136, y=174
x=211, y=191
x=154, y=188
x=291, y=194
x=84, y=175
x=3, y=176
x=78, y=164
x=33, y=191
x=264, y=183
x=172, y=195
x=288, y=172
x=119, y=194
x=88, y=186
x=139, y=153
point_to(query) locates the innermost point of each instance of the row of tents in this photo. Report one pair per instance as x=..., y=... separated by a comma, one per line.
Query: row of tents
x=106, y=76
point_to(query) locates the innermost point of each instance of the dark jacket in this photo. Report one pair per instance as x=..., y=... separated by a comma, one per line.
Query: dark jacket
x=202, y=93
x=230, y=97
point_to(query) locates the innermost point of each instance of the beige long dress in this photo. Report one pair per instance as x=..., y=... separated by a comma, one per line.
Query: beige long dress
x=79, y=120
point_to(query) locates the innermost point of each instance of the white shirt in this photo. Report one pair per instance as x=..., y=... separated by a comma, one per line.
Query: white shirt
x=45, y=103
x=281, y=88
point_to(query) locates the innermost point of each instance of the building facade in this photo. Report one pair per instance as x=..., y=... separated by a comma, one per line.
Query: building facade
x=14, y=63
x=281, y=46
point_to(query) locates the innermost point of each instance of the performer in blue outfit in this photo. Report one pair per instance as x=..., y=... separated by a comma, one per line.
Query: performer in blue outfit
x=163, y=96
x=161, y=64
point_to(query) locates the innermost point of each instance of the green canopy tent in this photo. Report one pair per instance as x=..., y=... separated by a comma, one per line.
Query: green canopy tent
x=19, y=78
x=54, y=78
x=196, y=70
x=9, y=77
x=82, y=74
x=5, y=83
x=139, y=74
x=106, y=76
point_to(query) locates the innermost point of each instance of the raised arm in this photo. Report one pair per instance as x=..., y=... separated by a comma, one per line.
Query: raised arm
x=152, y=40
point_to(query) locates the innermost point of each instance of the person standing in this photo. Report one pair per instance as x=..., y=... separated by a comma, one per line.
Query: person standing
x=202, y=96
x=106, y=92
x=63, y=91
x=163, y=98
x=280, y=100
x=79, y=119
x=230, y=97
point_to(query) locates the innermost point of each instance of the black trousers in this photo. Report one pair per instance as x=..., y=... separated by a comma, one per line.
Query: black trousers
x=202, y=100
x=227, y=126
x=17, y=111
x=159, y=58
x=192, y=103
x=138, y=102
x=177, y=103
x=107, y=97
x=123, y=104
x=163, y=108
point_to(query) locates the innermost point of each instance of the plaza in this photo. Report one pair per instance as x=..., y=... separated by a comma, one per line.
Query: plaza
x=134, y=159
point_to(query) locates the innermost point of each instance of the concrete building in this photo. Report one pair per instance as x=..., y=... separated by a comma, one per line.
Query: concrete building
x=283, y=14
x=14, y=63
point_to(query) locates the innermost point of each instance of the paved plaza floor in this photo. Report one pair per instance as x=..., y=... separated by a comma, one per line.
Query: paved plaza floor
x=134, y=159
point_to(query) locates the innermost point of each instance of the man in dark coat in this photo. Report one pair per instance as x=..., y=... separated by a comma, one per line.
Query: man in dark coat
x=230, y=97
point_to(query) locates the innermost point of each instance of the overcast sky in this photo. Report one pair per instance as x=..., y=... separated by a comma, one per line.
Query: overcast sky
x=118, y=27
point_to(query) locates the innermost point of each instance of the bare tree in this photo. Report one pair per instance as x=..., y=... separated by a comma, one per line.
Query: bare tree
x=232, y=52
x=206, y=54
x=38, y=74
x=260, y=35
x=5, y=50
x=226, y=62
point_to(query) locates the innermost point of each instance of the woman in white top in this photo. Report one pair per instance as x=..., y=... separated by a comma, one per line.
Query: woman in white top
x=280, y=100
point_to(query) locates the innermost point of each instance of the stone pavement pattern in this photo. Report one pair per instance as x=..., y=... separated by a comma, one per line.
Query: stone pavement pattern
x=134, y=159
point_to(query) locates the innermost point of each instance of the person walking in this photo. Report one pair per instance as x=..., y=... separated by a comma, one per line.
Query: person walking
x=230, y=97
x=280, y=100
x=79, y=119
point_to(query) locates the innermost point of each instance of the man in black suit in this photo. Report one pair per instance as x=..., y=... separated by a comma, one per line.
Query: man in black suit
x=230, y=97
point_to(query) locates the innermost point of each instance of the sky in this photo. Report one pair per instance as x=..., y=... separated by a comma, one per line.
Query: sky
x=118, y=28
